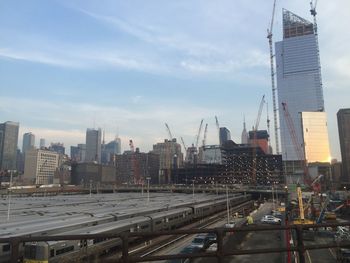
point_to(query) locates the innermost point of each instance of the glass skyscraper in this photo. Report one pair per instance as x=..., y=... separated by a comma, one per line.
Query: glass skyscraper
x=8, y=145
x=93, y=145
x=299, y=82
x=28, y=141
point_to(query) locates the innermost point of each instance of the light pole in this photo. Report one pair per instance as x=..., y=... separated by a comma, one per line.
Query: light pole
x=90, y=186
x=148, y=178
x=193, y=189
x=228, y=206
x=9, y=197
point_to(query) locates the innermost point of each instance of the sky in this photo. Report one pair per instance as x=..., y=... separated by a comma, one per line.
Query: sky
x=129, y=67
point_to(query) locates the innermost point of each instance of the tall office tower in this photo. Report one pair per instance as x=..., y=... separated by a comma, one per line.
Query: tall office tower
x=170, y=154
x=119, y=145
x=110, y=149
x=28, y=141
x=343, y=116
x=8, y=145
x=57, y=147
x=244, y=134
x=93, y=145
x=299, y=83
x=224, y=135
x=42, y=143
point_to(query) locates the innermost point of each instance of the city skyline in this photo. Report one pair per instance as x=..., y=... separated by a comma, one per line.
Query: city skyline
x=130, y=70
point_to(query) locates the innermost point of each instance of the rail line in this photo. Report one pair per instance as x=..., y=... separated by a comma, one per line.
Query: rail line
x=201, y=225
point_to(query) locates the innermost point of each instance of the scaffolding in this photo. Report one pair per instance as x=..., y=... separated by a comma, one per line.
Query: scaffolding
x=294, y=25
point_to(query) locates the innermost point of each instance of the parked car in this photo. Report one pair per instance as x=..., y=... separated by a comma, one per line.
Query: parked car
x=211, y=237
x=200, y=241
x=213, y=247
x=230, y=224
x=269, y=219
x=276, y=213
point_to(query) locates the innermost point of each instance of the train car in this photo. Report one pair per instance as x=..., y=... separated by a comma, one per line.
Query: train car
x=58, y=251
x=171, y=219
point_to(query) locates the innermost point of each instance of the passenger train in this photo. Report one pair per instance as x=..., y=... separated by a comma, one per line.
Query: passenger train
x=156, y=220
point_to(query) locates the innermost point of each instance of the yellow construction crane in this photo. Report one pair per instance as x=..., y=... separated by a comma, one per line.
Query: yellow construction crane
x=301, y=220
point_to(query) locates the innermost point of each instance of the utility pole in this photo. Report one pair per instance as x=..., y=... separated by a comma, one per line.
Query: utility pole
x=148, y=178
x=193, y=189
x=228, y=206
x=9, y=197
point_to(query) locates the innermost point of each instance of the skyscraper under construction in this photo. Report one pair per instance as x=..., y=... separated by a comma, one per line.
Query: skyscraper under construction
x=299, y=86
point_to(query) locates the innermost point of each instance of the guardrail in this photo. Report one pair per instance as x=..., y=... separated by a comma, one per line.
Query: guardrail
x=220, y=254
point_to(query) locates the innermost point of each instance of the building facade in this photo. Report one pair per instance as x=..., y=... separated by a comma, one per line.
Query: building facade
x=170, y=154
x=93, y=174
x=57, y=147
x=8, y=145
x=42, y=144
x=315, y=137
x=40, y=166
x=260, y=138
x=93, y=145
x=135, y=167
x=224, y=135
x=109, y=150
x=28, y=141
x=299, y=82
x=343, y=117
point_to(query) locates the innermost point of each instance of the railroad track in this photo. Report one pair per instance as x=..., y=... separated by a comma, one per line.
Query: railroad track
x=162, y=242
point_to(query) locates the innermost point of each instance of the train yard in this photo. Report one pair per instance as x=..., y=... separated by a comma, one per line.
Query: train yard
x=99, y=214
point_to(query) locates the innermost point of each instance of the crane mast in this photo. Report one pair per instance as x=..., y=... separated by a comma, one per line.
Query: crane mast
x=199, y=133
x=313, y=12
x=205, y=134
x=217, y=127
x=169, y=132
x=274, y=104
x=297, y=145
x=255, y=144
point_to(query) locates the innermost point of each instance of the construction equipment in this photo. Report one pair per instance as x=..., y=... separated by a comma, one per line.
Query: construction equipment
x=169, y=132
x=217, y=127
x=313, y=4
x=205, y=135
x=255, y=143
x=269, y=36
x=301, y=219
x=183, y=144
x=316, y=185
x=297, y=146
x=199, y=134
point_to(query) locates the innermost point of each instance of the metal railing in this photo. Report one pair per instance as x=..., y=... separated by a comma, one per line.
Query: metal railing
x=220, y=254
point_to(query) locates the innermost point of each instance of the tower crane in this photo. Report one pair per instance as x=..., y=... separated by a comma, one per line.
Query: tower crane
x=183, y=143
x=297, y=145
x=217, y=127
x=171, y=150
x=205, y=135
x=199, y=133
x=255, y=144
x=169, y=132
x=274, y=104
x=313, y=4
x=313, y=12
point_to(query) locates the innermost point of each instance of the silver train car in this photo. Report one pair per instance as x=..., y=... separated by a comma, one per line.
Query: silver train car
x=56, y=251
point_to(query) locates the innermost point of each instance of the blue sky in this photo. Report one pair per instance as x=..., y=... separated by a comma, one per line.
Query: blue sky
x=130, y=66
